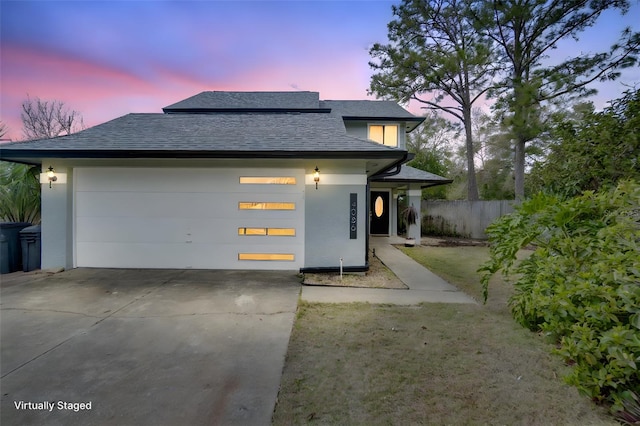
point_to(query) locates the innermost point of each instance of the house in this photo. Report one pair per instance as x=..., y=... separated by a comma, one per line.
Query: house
x=227, y=180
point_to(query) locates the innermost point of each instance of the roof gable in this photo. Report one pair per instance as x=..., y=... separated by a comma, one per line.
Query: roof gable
x=368, y=109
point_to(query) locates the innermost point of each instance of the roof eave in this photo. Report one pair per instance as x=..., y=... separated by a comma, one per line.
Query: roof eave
x=383, y=118
x=413, y=121
x=24, y=155
x=168, y=110
x=427, y=182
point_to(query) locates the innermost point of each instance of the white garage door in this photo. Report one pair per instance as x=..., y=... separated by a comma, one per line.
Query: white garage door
x=189, y=218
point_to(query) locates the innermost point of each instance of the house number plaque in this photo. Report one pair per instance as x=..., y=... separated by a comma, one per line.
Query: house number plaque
x=353, y=217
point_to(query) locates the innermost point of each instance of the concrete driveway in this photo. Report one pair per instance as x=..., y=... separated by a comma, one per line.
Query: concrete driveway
x=144, y=347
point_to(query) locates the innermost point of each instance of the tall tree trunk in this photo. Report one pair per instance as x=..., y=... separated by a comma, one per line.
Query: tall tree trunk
x=472, y=185
x=521, y=124
x=524, y=126
x=518, y=168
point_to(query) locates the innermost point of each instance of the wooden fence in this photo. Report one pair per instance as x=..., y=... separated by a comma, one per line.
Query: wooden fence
x=466, y=219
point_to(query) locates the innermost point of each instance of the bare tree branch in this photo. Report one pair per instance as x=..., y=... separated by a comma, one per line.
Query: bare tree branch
x=48, y=119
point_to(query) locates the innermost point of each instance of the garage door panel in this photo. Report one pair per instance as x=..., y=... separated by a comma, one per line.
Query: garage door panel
x=145, y=225
x=144, y=204
x=178, y=180
x=180, y=256
x=124, y=204
x=179, y=230
x=149, y=180
x=152, y=255
x=132, y=229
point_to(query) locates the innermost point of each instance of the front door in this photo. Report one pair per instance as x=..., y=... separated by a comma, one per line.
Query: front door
x=379, y=213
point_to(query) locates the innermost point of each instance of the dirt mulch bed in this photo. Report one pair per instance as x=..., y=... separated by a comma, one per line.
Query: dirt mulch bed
x=452, y=242
x=378, y=276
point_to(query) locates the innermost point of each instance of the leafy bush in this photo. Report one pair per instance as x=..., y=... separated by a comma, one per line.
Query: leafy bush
x=19, y=193
x=594, y=150
x=581, y=284
x=631, y=413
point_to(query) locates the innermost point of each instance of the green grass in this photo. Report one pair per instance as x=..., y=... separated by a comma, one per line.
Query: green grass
x=357, y=364
x=458, y=265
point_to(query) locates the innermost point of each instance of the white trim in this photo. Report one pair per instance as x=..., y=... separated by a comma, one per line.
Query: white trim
x=414, y=192
x=74, y=206
x=336, y=179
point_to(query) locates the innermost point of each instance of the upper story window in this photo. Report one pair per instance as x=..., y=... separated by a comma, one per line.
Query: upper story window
x=385, y=134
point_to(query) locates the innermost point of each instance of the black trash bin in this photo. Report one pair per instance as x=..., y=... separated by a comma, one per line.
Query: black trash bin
x=10, y=248
x=4, y=260
x=30, y=241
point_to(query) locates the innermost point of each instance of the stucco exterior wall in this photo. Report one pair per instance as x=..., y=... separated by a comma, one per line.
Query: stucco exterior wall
x=56, y=205
x=327, y=220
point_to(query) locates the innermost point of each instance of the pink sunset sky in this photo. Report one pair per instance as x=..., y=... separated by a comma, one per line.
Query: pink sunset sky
x=105, y=59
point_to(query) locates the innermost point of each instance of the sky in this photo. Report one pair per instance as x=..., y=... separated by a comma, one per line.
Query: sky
x=105, y=59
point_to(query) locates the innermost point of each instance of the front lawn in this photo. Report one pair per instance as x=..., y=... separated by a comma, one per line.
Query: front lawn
x=354, y=364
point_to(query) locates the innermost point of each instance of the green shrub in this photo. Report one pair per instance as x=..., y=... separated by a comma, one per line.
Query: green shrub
x=19, y=193
x=581, y=283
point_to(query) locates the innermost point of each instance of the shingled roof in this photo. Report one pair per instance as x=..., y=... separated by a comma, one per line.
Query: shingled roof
x=368, y=109
x=228, y=125
x=247, y=101
x=215, y=102
x=410, y=174
x=372, y=110
x=223, y=135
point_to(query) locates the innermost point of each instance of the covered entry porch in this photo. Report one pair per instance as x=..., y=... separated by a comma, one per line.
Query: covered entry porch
x=389, y=196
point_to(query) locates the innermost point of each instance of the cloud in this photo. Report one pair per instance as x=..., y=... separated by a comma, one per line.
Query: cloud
x=101, y=93
x=105, y=59
x=82, y=85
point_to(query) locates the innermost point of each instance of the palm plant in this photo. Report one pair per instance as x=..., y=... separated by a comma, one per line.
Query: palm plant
x=19, y=193
x=410, y=215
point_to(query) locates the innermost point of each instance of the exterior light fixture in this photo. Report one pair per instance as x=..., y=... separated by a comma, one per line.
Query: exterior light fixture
x=316, y=176
x=51, y=175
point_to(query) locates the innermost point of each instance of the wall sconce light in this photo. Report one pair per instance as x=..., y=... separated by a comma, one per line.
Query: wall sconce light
x=51, y=175
x=316, y=176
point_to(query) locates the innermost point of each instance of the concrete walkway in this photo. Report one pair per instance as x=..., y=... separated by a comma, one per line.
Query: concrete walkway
x=424, y=285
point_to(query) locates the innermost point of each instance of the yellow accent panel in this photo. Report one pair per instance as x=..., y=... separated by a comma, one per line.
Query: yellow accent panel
x=268, y=180
x=282, y=232
x=266, y=206
x=265, y=256
x=276, y=232
x=252, y=231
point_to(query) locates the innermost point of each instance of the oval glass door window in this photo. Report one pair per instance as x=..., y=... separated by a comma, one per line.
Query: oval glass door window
x=379, y=206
